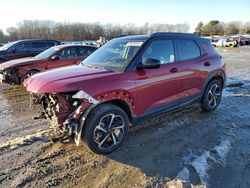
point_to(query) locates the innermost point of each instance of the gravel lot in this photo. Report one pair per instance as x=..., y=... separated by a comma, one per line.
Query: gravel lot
x=187, y=148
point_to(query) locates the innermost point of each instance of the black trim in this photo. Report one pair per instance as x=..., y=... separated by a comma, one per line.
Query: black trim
x=172, y=106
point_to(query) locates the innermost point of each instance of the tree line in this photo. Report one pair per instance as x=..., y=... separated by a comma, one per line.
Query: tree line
x=46, y=29
x=214, y=27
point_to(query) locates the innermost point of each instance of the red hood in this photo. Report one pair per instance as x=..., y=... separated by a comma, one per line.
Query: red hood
x=17, y=62
x=66, y=79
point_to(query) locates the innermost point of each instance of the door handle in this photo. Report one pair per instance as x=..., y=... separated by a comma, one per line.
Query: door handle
x=173, y=70
x=207, y=64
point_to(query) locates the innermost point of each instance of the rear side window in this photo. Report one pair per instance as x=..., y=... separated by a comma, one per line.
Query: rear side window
x=85, y=51
x=38, y=45
x=187, y=49
x=43, y=44
x=49, y=44
x=161, y=50
x=68, y=53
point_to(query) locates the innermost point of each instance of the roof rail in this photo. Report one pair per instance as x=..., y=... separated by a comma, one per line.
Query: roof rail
x=173, y=34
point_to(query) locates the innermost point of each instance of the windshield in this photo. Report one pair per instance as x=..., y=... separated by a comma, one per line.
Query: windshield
x=47, y=53
x=7, y=46
x=115, y=55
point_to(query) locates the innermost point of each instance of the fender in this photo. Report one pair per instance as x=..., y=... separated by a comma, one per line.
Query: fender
x=212, y=75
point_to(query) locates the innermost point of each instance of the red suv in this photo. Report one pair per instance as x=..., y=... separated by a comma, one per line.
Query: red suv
x=16, y=71
x=129, y=78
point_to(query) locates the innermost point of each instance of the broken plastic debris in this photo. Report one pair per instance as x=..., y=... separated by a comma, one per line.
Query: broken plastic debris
x=83, y=95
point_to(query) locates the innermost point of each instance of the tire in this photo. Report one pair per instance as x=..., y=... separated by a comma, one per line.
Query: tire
x=212, y=96
x=27, y=75
x=101, y=136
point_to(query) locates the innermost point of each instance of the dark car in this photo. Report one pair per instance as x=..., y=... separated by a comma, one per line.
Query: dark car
x=24, y=48
x=16, y=71
x=127, y=79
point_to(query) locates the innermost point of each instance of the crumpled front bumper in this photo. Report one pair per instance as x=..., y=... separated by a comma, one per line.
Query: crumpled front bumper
x=9, y=76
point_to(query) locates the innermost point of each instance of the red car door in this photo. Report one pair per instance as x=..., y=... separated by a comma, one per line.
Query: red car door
x=193, y=69
x=158, y=88
x=65, y=57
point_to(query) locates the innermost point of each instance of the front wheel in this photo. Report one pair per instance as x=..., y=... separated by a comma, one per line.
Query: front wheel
x=106, y=128
x=212, y=96
x=27, y=75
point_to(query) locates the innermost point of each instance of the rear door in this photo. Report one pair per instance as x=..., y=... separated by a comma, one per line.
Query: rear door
x=38, y=47
x=67, y=56
x=192, y=66
x=158, y=89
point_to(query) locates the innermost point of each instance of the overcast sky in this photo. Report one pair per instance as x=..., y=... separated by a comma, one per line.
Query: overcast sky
x=124, y=11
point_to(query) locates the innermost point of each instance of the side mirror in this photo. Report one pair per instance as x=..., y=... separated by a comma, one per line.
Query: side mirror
x=149, y=63
x=54, y=58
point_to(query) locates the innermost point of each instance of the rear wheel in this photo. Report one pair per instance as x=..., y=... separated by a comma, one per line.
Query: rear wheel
x=106, y=128
x=212, y=96
x=27, y=75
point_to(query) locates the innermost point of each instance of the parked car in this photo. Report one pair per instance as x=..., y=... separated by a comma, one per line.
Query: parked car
x=225, y=42
x=24, y=48
x=127, y=79
x=16, y=71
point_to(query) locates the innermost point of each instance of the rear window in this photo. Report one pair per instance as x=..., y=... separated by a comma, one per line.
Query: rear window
x=187, y=49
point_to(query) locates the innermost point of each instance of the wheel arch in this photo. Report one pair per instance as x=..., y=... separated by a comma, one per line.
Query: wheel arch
x=124, y=106
x=219, y=75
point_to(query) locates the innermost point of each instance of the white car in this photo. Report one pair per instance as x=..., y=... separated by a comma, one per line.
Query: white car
x=225, y=42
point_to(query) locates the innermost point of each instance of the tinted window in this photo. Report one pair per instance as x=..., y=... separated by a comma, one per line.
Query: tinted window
x=187, y=49
x=85, y=51
x=68, y=53
x=162, y=50
x=23, y=47
x=49, y=44
x=38, y=44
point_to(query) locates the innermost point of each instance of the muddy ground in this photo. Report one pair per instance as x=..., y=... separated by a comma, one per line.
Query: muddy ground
x=182, y=149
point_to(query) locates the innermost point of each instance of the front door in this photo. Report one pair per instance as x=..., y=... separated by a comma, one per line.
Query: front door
x=67, y=56
x=158, y=88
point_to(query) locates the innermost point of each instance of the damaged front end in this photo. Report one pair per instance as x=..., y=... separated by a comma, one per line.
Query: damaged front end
x=65, y=111
x=9, y=76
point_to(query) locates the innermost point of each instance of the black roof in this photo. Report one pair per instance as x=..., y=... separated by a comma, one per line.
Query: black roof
x=174, y=34
x=160, y=34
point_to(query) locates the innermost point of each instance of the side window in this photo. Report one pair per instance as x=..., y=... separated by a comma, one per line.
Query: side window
x=187, y=49
x=23, y=47
x=38, y=45
x=68, y=53
x=49, y=44
x=161, y=50
x=85, y=51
